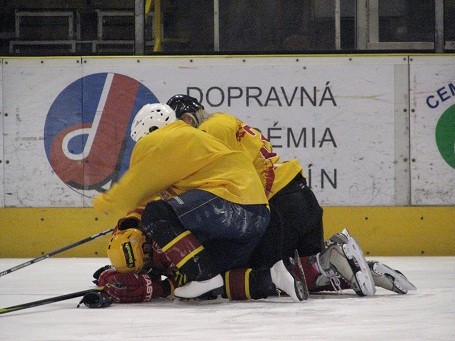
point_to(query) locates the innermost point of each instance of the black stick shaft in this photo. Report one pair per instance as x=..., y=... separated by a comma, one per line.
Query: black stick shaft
x=48, y=300
x=50, y=254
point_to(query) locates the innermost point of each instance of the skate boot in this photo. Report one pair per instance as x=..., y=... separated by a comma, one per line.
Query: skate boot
x=195, y=289
x=292, y=280
x=389, y=279
x=344, y=259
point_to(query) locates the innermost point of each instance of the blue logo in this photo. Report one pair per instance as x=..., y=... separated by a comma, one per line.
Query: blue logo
x=87, y=130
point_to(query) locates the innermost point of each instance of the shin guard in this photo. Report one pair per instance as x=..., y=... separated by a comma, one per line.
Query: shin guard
x=246, y=284
x=190, y=257
x=179, y=245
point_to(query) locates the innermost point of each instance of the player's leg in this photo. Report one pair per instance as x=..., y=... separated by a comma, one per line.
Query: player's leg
x=268, y=255
x=247, y=283
x=342, y=260
x=301, y=217
x=181, y=247
x=269, y=249
x=228, y=231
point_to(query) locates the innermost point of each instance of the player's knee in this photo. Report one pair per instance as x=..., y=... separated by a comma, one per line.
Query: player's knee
x=156, y=211
x=160, y=222
x=179, y=245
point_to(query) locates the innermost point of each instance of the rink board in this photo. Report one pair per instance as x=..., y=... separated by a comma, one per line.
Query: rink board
x=381, y=231
x=369, y=130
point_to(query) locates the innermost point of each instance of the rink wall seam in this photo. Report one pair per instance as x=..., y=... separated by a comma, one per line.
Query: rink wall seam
x=381, y=231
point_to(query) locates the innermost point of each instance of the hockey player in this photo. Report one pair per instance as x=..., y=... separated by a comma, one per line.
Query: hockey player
x=322, y=268
x=291, y=200
x=295, y=211
x=144, y=281
x=214, y=203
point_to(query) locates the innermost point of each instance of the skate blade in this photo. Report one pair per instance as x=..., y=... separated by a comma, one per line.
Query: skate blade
x=355, y=256
x=398, y=280
x=301, y=284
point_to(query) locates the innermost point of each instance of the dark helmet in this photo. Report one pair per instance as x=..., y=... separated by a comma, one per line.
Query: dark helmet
x=184, y=103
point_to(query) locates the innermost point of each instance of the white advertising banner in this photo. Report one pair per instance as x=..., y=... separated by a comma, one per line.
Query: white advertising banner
x=432, y=98
x=68, y=125
x=2, y=131
x=29, y=88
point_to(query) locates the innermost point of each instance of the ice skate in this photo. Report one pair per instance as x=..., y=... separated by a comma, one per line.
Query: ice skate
x=289, y=281
x=297, y=270
x=195, y=289
x=390, y=279
x=344, y=258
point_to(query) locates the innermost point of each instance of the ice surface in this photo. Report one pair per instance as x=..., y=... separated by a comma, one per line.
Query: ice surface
x=425, y=314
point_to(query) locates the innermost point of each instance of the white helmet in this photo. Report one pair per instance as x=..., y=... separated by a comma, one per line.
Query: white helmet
x=151, y=117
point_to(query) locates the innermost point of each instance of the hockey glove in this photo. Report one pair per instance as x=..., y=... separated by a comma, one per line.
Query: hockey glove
x=179, y=278
x=127, y=223
x=97, y=273
x=96, y=300
x=128, y=287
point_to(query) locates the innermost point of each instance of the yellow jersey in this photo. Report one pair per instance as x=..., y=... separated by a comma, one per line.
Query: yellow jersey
x=178, y=158
x=237, y=135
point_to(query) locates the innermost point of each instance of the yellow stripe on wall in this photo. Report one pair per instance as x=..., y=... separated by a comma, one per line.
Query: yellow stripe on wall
x=381, y=231
x=32, y=232
x=396, y=231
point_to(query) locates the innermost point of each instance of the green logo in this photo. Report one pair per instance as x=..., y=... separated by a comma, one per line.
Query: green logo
x=445, y=136
x=129, y=254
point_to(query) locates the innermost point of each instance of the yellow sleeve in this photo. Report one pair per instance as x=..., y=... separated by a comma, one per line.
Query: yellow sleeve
x=155, y=165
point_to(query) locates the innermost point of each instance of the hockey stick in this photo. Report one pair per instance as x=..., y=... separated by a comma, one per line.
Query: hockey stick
x=49, y=300
x=50, y=254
